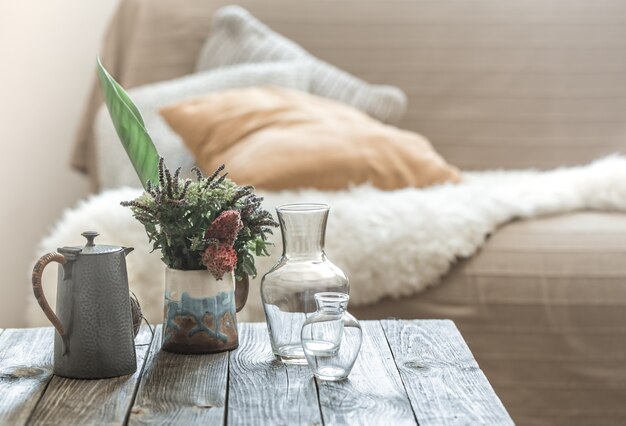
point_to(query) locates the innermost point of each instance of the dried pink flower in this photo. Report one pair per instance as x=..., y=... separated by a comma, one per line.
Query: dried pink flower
x=225, y=227
x=220, y=259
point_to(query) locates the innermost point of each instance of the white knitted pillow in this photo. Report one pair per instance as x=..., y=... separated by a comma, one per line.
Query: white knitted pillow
x=238, y=37
x=114, y=167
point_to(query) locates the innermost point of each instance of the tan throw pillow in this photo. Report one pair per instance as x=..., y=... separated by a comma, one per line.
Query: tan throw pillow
x=276, y=138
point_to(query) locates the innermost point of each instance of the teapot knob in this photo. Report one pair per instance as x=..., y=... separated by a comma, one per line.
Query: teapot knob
x=90, y=235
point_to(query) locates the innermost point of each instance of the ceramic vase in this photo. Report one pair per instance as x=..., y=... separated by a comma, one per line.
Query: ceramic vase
x=200, y=312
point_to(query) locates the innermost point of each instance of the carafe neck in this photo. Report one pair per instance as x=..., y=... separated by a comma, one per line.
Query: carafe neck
x=303, y=227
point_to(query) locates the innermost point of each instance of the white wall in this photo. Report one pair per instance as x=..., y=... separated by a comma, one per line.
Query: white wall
x=47, y=58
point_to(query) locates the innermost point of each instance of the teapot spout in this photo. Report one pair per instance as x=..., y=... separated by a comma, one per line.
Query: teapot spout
x=127, y=250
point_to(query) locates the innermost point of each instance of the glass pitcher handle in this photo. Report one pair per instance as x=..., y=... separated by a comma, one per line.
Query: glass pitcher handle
x=38, y=289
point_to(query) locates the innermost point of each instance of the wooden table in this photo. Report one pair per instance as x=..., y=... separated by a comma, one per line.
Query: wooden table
x=407, y=372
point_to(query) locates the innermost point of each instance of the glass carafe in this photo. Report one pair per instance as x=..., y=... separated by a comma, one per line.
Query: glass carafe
x=288, y=289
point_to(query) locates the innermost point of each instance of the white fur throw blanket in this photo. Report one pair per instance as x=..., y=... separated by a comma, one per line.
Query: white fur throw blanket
x=393, y=243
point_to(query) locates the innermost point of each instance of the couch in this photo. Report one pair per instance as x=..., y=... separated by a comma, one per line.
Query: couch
x=493, y=85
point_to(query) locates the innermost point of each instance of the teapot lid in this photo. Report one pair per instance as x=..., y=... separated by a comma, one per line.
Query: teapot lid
x=93, y=248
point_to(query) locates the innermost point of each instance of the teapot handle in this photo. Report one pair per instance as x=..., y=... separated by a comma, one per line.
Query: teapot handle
x=38, y=289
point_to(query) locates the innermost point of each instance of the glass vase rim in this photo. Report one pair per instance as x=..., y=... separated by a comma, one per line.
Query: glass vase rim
x=332, y=297
x=302, y=208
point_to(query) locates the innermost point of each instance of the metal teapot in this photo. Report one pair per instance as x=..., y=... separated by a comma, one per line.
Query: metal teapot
x=94, y=328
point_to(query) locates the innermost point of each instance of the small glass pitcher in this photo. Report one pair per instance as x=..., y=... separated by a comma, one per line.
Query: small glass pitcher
x=331, y=337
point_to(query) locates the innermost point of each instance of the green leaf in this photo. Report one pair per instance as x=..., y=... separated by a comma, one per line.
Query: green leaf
x=130, y=128
x=248, y=265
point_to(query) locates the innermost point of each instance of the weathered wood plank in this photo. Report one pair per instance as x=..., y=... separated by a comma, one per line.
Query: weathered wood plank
x=182, y=389
x=373, y=393
x=25, y=369
x=441, y=376
x=95, y=402
x=262, y=390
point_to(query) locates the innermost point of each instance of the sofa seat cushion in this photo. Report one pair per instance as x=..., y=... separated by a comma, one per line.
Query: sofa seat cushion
x=543, y=307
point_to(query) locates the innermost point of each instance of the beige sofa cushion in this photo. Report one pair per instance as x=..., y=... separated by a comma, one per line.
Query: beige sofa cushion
x=276, y=138
x=543, y=308
x=238, y=37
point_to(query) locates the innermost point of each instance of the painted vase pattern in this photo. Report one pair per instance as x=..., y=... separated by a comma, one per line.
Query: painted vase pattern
x=200, y=314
